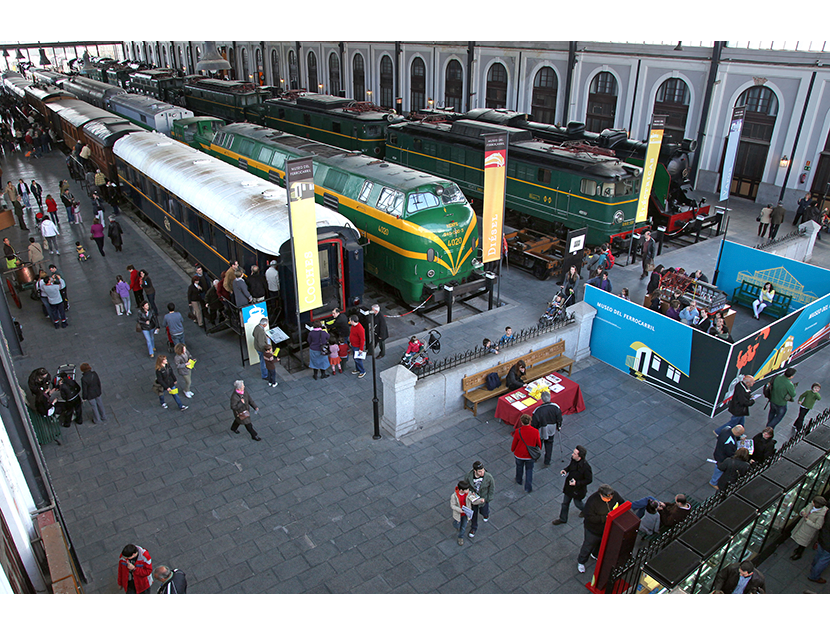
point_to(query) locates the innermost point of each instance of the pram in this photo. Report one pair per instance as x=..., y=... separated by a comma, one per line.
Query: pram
x=420, y=357
x=62, y=407
x=556, y=310
x=171, y=347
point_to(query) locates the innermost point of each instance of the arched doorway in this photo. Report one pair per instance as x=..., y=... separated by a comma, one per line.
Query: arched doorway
x=387, y=79
x=245, y=68
x=312, y=72
x=672, y=100
x=260, y=68
x=293, y=71
x=602, y=103
x=820, y=188
x=759, y=122
x=275, y=69
x=232, y=62
x=496, y=87
x=417, y=84
x=543, y=102
x=334, y=74
x=453, y=85
x=358, y=78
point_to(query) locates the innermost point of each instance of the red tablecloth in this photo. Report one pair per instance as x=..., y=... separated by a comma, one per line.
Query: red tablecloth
x=569, y=400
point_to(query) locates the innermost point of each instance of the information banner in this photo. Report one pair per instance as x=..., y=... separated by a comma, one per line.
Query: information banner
x=495, y=178
x=731, y=150
x=655, y=140
x=299, y=176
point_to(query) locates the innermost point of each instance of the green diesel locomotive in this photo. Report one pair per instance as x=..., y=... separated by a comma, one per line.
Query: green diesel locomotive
x=338, y=121
x=567, y=185
x=421, y=230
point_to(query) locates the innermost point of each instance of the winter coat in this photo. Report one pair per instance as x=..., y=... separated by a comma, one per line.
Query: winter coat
x=317, y=338
x=96, y=230
x=261, y=338
x=581, y=472
x=241, y=403
x=726, y=446
x=727, y=580
x=487, y=489
x=523, y=438
x=114, y=232
x=741, y=401
x=762, y=448
x=381, y=331
x=35, y=252
x=48, y=229
x=597, y=510
x=547, y=418
x=90, y=385
x=147, y=321
x=766, y=214
x=807, y=528
x=777, y=216
x=181, y=363
x=732, y=469
x=142, y=574
x=455, y=504
x=166, y=377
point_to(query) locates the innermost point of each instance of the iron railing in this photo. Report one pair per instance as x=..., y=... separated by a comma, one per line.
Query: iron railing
x=624, y=577
x=479, y=351
x=777, y=241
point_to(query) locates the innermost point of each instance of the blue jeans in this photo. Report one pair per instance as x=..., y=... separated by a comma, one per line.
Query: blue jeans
x=358, y=363
x=525, y=465
x=776, y=413
x=175, y=398
x=178, y=338
x=820, y=562
x=263, y=371
x=148, y=335
x=484, y=510
x=715, y=477
x=272, y=376
x=566, y=504
x=734, y=421
x=639, y=506
x=460, y=524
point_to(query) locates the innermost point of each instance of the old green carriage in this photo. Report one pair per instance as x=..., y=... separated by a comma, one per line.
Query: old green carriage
x=421, y=231
x=228, y=100
x=567, y=185
x=338, y=121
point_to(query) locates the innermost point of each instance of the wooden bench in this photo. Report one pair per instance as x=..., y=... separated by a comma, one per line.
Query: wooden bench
x=538, y=364
x=748, y=292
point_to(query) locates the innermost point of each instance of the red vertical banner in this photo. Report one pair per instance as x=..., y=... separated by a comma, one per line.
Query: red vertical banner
x=495, y=180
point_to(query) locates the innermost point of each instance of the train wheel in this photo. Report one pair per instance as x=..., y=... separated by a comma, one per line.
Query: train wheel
x=540, y=271
x=14, y=294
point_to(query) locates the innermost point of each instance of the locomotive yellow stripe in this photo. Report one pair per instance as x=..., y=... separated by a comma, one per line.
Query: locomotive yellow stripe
x=471, y=167
x=339, y=134
x=402, y=225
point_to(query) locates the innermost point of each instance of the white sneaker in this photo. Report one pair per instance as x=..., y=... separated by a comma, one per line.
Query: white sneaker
x=188, y=394
x=580, y=568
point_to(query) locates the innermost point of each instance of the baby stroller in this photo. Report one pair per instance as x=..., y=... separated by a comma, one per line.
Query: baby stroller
x=419, y=357
x=171, y=347
x=555, y=311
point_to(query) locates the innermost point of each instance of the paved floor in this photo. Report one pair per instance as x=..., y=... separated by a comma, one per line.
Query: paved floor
x=318, y=506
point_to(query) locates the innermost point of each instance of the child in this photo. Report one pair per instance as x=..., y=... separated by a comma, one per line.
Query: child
x=82, y=256
x=123, y=290
x=414, y=346
x=334, y=353
x=489, y=346
x=270, y=365
x=461, y=503
x=343, y=354
x=116, y=300
x=806, y=402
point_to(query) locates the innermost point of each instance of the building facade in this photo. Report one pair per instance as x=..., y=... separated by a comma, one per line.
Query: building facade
x=785, y=143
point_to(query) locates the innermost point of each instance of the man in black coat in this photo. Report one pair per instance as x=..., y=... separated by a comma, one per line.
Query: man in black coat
x=173, y=581
x=547, y=418
x=71, y=408
x=648, y=250
x=381, y=332
x=725, y=447
x=597, y=508
x=740, y=578
x=578, y=476
x=91, y=392
x=741, y=401
x=800, y=212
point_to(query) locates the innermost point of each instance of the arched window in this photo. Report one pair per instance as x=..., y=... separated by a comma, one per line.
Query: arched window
x=275, y=68
x=245, y=68
x=602, y=103
x=164, y=55
x=189, y=60
x=756, y=134
x=334, y=74
x=672, y=100
x=312, y=72
x=453, y=85
x=496, y=87
x=198, y=54
x=158, y=54
x=358, y=78
x=417, y=84
x=232, y=62
x=387, y=80
x=150, y=56
x=181, y=59
x=260, y=68
x=293, y=71
x=543, y=102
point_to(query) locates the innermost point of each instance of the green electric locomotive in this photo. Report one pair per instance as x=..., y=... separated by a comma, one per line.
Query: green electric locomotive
x=567, y=185
x=421, y=230
x=228, y=100
x=338, y=121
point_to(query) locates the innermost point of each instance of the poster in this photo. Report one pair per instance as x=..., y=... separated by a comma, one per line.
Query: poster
x=732, y=142
x=299, y=174
x=495, y=175
x=655, y=140
x=250, y=317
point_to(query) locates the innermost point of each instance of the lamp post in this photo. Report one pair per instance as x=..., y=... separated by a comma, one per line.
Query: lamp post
x=375, y=402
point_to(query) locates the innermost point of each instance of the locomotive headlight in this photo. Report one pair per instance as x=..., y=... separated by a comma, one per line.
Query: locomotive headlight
x=619, y=217
x=431, y=273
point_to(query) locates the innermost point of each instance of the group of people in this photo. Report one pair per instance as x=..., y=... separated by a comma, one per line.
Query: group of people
x=64, y=397
x=136, y=573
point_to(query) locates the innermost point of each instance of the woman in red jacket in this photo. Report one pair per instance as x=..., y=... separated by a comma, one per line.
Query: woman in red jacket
x=135, y=285
x=135, y=570
x=525, y=436
x=52, y=209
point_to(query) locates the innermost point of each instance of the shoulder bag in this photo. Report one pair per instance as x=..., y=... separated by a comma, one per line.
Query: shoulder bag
x=534, y=451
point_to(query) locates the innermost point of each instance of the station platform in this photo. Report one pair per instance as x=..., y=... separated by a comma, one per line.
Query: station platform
x=319, y=506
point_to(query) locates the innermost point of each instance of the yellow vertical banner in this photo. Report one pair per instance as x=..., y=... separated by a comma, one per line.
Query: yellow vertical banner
x=655, y=140
x=495, y=178
x=299, y=177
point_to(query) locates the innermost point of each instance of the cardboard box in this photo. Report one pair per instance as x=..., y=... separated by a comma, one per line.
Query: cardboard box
x=6, y=219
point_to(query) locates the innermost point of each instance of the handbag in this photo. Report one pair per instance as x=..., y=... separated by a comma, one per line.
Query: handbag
x=245, y=414
x=534, y=451
x=137, y=327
